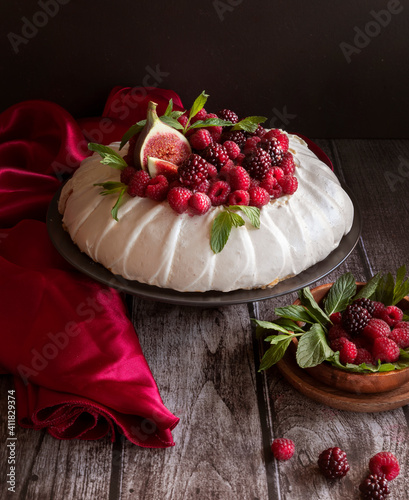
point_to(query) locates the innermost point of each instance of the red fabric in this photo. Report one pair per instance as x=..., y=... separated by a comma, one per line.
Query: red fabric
x=76, y=360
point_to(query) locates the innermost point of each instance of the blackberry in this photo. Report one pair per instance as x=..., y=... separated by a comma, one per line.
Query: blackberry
x=228, y=115
x=273, y=148
x=374, y=486
x=237, y=136
x=354, y=319
x=193, y=171
x=216, y=154
x=367, y=304
x=257, y=163
x=333, y=463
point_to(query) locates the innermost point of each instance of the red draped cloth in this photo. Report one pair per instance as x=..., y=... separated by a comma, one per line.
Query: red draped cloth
x=77, y=364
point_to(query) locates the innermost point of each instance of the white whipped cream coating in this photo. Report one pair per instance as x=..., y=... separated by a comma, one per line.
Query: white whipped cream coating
x=153, y=244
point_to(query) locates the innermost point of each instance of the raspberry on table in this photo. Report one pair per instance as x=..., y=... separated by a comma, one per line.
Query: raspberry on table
x=333, y=463
x=239, y=197
x=216, y=154
x=193, y=171
x=354, y=319
x=200, y=139
x=384, y=464
x=258, y=197
x=157, y=188
x=178, y=198
x=392, y=315
x=228, y=115
x=219, y=192
x=376, y=328
x=199, y=203
x=257, y=163
x=374, y=487
x=283, y=449
x=239, y=178
x=363, y=356
x=348, y=352
x=127, y=173
x=232, y=148
x=289, y=184
x=137, y=184
x=400, y=336
x=385, y=350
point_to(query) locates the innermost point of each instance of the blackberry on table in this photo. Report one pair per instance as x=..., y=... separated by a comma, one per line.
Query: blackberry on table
x=333, y=463
x=374, y=487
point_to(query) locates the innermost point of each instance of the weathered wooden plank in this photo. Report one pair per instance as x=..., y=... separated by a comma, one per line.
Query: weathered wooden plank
x=47, y=468
x=203, y=362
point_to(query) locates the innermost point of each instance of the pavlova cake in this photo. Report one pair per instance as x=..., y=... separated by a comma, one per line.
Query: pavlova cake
x=195, y=201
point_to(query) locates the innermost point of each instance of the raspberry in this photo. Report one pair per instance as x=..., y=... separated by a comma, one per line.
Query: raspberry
x=193, y=171
x=239, y=197
x=336, y=318
x=200, y=115
x=289, y=184
x=363, y=356
x=338, y=344
x=378, y=309
x=385, y=350
x=374, y=487
x=257, y=163
x=270, y=184
x=138, y=183
x=239, y=178
x=272, y=147
x=178, y=198
x=348, y=353
x=333, y=463
x=157, y=188
x=127, y=174
x=232, y=148
x=203, y=187
x=183, y=119
x=402, y=324
x=224, y=174
x=228, y=115
x=280, y=136
x=392, y=315
x=376, y=328
x=219, y=193
x=400, y=336
x=251, y=143
x=287, y=164
x=278, y=172
x=199, y=203
x=236, y=136
x=258, y=197
x=367, y=304
x=384, y=464
x=283, y=449
x=215, y=130
x=216, y=154
x=211, y=170
x=200, y=139
x=337, y=331
x=354, y=319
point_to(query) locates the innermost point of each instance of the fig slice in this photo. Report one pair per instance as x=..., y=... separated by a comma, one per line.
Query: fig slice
x=157, y=166
x=161, y=141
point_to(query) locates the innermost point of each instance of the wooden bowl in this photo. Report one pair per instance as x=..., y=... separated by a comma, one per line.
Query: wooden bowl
x=357, y=383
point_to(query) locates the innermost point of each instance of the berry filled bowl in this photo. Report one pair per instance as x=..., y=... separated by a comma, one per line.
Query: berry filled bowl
x=350, y=336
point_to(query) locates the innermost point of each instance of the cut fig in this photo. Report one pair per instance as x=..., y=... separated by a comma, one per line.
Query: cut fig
x=156, y=166
x=161, y=141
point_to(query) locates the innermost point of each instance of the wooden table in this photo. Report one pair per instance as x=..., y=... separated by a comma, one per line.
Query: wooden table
x=205, y=363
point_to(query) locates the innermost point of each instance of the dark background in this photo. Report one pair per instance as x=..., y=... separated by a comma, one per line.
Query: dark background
x=281, y=59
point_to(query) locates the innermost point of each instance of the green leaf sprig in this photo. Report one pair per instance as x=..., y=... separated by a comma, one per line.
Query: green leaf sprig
x=226, y=220
x=109, y=156
x=311, y=322
x=112, y=187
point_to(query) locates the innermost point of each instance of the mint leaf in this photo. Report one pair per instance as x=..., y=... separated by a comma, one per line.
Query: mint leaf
x=108, y=155
x=249, y=124
x=314, y=310
x=220, y=231
x=133, y=130
x=385, y=289
x=210, y=122
x=115, y=208
x=340, y=294
x=289, y=324
x=236, y=220
x=267, y=325
x=253, y=213
x=176, y=114
x=274, y=353
x=275, y=339
x=312, y=347
x=370, y=288
x=169, y=108
x=198, y=104
x=112, y=187
x=172, y=122
x=401, y=287
x=296, y=313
